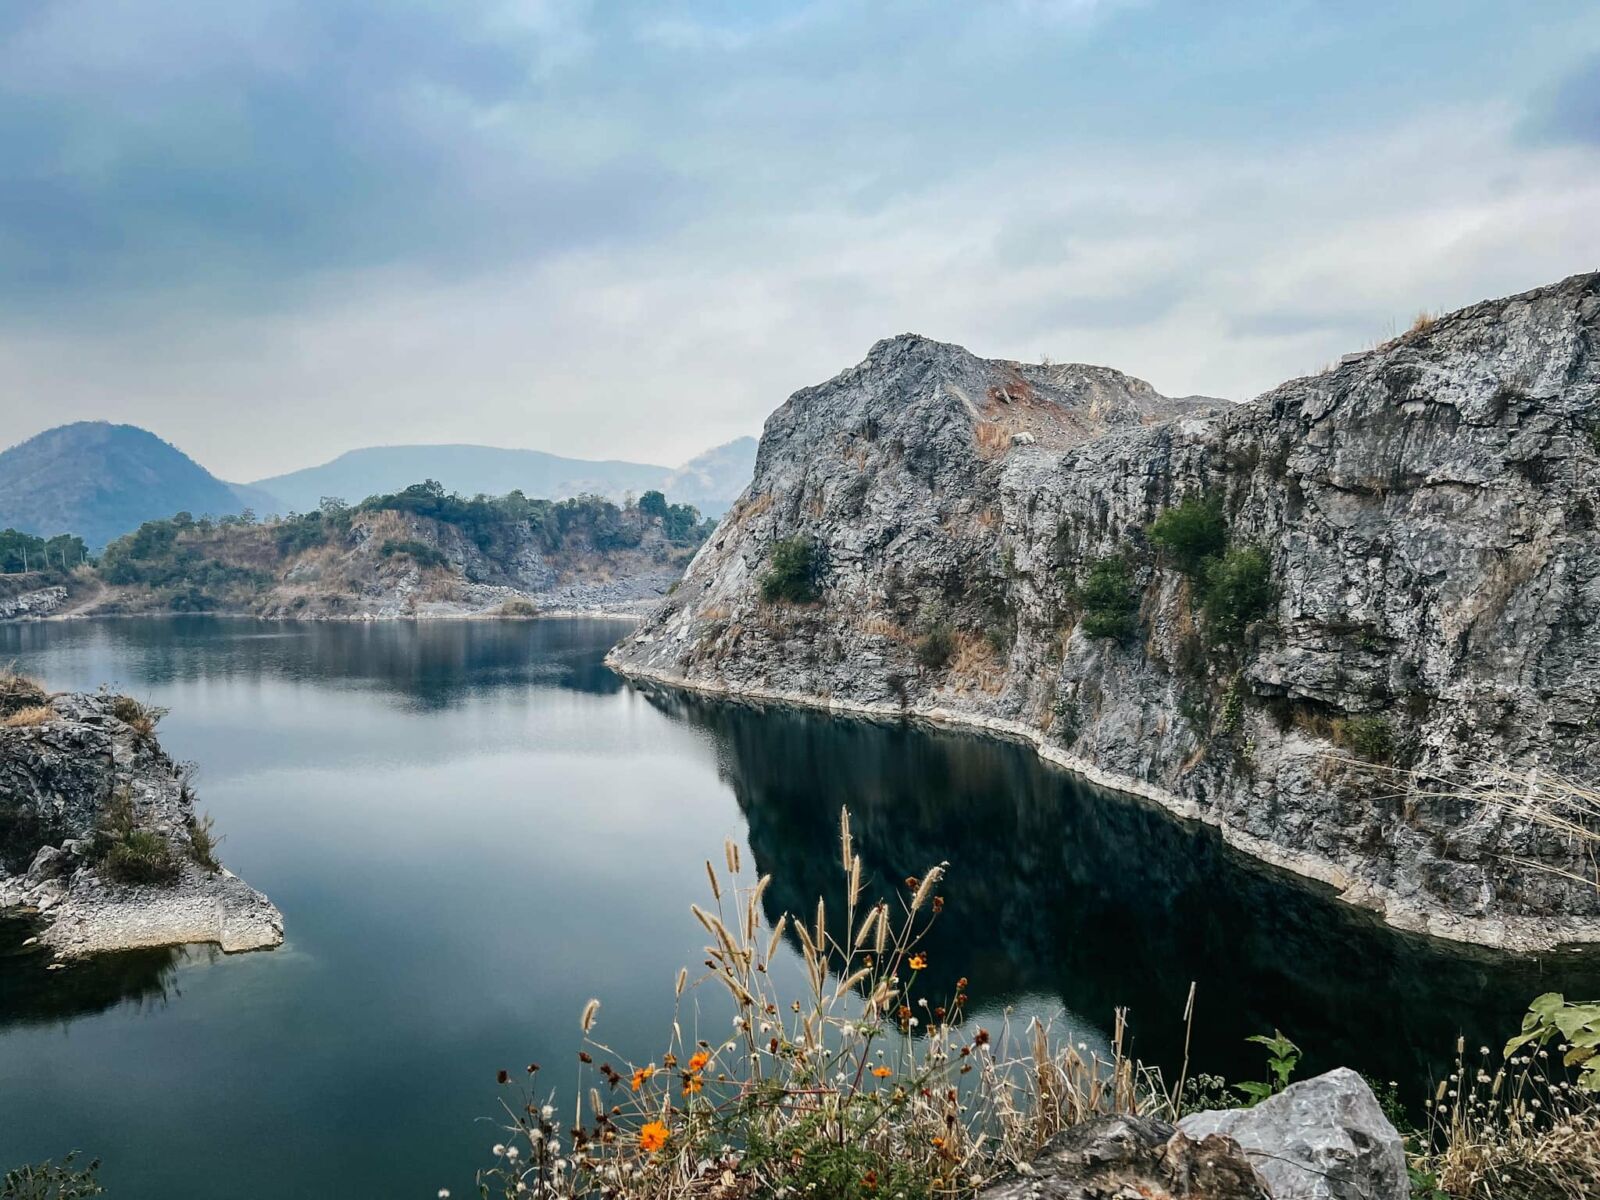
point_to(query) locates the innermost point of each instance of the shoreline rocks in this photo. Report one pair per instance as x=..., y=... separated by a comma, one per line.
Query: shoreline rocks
x=70, y=766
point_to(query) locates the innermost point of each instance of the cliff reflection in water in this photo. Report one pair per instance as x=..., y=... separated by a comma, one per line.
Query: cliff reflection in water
x=1061, y=889
x=33, y=994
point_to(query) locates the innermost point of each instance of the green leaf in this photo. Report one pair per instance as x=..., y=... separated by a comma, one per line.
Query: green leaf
x=1548, y=1005
x=1254, y=1092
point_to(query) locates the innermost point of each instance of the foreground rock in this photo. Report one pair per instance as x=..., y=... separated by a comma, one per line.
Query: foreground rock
x=1134, y=1158
x=81, y=775
x=1322, y=1139
x=975, y=536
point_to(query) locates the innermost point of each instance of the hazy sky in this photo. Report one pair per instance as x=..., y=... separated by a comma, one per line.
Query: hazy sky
x=272, y=230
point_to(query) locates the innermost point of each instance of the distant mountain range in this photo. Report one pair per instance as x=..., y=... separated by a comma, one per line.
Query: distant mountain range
x=711, y=481
x=100, y=480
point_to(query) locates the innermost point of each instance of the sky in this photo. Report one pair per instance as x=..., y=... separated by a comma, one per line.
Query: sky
x=274, y=230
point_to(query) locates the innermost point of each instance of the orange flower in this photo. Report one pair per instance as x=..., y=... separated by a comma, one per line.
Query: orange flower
x=698, y=1060
x=642, y=1074
x=883, y=1072
x=653, y=1136
x=938, y=1143
x=919, y=961
x=692, y=1084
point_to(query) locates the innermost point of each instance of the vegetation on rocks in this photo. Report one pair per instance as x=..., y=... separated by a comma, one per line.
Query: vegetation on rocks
x=792, y=572
x=127, y=853
x=1191, y=532
x=1236, y=589
x=1108, y=598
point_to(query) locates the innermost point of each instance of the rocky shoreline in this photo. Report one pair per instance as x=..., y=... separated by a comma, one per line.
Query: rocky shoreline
x=99, y=839
x=1515, y=934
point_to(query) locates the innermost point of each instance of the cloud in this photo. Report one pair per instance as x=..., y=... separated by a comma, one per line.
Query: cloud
x=281, y=229
x=1572, y=110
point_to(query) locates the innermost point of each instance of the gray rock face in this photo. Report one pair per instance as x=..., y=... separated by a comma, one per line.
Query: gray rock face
x=40, y=602
x=1322, y=1139
x=1113, y=1157
x=1428, y=514
x=56, y=777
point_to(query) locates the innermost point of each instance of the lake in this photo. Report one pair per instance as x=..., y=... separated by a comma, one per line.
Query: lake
x=472, y=827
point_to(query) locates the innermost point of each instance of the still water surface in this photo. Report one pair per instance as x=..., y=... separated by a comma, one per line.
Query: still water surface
x=473, y=827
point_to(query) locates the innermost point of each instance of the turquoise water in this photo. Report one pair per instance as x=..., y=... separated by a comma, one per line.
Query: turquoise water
x=473, y=827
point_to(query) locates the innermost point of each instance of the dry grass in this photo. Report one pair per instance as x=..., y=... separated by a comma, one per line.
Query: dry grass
x=975, y=663
x=1423, y=322
x=1519, y=1131
x=866, y=1083
x=993, y=438
x=18, y=691
x=34, y=714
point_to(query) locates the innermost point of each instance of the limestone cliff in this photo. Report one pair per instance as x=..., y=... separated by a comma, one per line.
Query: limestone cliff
x=1422, y=518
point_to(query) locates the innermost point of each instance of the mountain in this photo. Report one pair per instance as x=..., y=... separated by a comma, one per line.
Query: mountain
x=710, y=482
x=99, y=481
x=1264, y=617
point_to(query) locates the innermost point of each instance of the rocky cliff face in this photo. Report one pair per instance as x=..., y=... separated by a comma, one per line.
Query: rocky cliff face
x=80, y=773
x=1424, y=517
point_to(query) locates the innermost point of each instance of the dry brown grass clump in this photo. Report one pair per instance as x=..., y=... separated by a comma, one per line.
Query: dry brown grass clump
x=35, y=714
x=864, y=1083
x=18, y=691
x=141, y=718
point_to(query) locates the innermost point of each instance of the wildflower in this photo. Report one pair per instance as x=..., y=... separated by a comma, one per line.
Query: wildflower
x=653, y=1136
x=498, y=1150
x=883, y=1072
x=641, y=1074
x=513, y=1153
x=692, y=1084
x=870, y=1181
x=698, y=1060
x=444, y=1194
x=937, y=1143
x=918, y=962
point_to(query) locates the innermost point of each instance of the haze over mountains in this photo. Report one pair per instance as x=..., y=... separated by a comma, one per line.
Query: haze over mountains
x=101, y=480
x=710, y=481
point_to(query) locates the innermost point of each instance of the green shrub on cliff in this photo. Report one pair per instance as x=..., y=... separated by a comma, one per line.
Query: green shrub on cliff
x=1368, y=737
x=792, y=575
x=935, y=647
x=1108, y=599
x=124, y=852
x=1191, y=532
x=1237, y=589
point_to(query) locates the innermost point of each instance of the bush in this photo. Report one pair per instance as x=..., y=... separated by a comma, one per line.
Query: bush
x=1109, y=599
x=126, y=853
x=141, y=857
x=141, y=718
x=793, y=571
x=1368, y=737
x=1237, y=590
x=203, y=844
x=519, y=608
x=935, y=647
x=1191, y=532
x=420, y=553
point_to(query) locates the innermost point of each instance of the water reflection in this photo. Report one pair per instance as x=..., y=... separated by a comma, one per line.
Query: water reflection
x=1062, y=889
x=32, y=993
x=431, y=664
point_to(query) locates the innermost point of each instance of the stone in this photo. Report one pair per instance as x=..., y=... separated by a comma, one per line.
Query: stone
x=1428, y=512
x=1321, y=1139
x=1133, y=1158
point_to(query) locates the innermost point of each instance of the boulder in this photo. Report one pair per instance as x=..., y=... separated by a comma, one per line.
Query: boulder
x=1322, y=1139
x=1110, y=1158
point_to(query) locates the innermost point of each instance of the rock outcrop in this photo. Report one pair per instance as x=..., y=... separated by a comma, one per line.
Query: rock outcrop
x=1425, y=517
x=1110, y=1158
x=79, y=774
x=40, y=602
x=1322, y=1139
